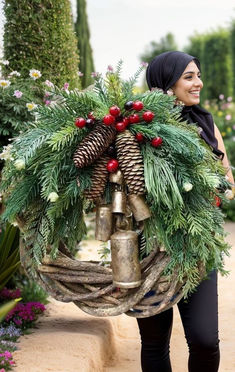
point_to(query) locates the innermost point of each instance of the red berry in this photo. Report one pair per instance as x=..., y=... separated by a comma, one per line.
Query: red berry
x=114, y=110
x=217, y=201
x=139, y=137
x=157, y=141
x=121, y=126
x=91, y=116
x=148, y=116
x=112, y=165
x=80, y=122
x=109, y=119
x=138, y=105
x=126, y=121
x=134, y=118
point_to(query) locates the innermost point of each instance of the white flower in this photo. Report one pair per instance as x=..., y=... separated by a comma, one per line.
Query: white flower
x=6, y=153
x=31, y=106
x=6, y=62
x=14, y=73
x=187, y=186
x=229, y=194
x=52, y=197
x=19, y=164
x=4, y=83
x=15, y=223
x=35, y=74
x=49, y=83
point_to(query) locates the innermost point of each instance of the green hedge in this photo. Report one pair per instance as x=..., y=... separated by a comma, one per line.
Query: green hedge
x=214, y=51
x=39, y=34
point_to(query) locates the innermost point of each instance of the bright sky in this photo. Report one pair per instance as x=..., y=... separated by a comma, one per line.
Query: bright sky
x=121, y=29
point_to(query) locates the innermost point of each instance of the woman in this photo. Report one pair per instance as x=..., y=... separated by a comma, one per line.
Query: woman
x=180, y=73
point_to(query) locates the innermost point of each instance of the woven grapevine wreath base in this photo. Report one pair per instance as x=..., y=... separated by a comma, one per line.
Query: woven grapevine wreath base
x=89, y=285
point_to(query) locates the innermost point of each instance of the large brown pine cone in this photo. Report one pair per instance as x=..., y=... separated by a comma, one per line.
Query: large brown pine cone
x=93, y=145
x=131, y=162
x=98, y=179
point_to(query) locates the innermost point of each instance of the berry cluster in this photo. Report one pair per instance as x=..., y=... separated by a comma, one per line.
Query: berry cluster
x=89, y=122
x=115, y=118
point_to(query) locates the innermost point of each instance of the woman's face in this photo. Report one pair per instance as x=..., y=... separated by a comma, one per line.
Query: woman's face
x=187, y=88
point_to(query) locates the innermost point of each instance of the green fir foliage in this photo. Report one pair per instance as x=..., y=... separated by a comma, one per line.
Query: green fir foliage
x=181, y=178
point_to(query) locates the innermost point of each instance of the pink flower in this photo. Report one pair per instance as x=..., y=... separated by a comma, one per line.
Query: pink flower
x=221, y=97
x=229, y=99
x=228, y=117
x=49, y=83
x=94, y=74
x=7, y=354
x=66, y=86
x=144, y=64
x=225, y=106
x=11, y=362
x=110, y=68
x=47, y=102
x=234, y=127
x=47, y=94
x=18, y=94
x=2, y=370
x=80, y=74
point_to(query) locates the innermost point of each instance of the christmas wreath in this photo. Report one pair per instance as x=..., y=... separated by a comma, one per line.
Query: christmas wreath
x=151, y=179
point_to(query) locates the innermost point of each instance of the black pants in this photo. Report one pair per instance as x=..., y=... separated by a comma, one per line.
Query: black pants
x=199, y=315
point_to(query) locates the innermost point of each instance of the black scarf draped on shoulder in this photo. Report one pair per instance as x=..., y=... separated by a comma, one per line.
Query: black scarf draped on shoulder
x=163, y=72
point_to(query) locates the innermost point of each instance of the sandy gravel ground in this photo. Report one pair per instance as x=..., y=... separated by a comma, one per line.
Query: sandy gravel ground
x=69, y=340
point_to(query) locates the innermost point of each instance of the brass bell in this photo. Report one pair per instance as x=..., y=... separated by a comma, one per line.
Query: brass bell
x=139, y=207
x=103, y=228
x=118, y=201
x=125, y=262
x=116, y=177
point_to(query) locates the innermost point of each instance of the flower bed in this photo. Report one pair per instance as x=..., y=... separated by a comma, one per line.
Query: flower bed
x=17, y=321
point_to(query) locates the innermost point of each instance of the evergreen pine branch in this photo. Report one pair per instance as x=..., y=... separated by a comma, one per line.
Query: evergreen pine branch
x=156, y=169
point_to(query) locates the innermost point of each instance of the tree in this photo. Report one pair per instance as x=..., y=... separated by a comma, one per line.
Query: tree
x=166, y=43
x=39, y=35
x=232, y=44
x=86, y=64
x=213, y=50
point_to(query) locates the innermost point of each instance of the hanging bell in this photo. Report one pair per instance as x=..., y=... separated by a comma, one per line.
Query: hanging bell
x=116, y=177
x=103, y=227
x=139, y=207
x=118, y=201
x=125, y=262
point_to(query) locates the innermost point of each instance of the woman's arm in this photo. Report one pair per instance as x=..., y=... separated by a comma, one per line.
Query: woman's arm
x=225, y=161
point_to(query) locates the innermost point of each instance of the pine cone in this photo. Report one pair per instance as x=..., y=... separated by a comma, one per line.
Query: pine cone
x=93, y=145
x=98, y=179
x=130, y=162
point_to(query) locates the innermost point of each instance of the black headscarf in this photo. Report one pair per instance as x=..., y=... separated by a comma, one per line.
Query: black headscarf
x=163, y=72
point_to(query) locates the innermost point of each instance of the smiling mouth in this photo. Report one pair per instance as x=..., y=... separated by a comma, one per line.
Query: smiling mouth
x=196, y=93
